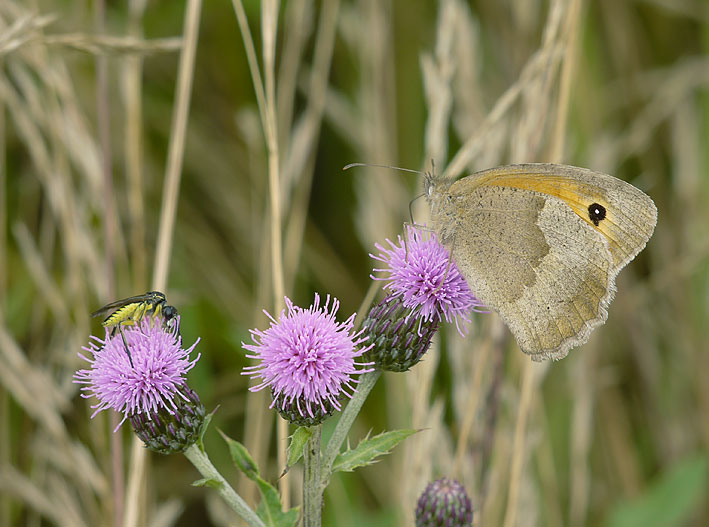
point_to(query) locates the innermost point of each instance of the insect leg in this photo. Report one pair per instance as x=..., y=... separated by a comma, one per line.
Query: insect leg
x=125, y=344
x=408, y=226
x=448, y=267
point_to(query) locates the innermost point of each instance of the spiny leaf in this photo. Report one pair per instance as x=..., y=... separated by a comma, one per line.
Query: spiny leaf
x=369, y=449
x=297, y=443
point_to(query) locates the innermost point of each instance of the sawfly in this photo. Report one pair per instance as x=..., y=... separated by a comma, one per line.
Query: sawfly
x=129, y=311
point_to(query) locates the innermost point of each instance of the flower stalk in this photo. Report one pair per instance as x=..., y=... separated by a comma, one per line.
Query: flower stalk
x=312, y=491
x=202, y=463
x=366, y=383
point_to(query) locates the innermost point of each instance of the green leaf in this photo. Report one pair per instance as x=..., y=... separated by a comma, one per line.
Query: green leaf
x=369, y=449
x=205, y=425
x=270, y=510
x=670, y=500
x=207, y=482
x=241, y=456
x=297, y=443
x=289, y=518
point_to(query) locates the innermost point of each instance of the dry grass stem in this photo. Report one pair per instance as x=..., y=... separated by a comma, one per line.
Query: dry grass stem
x=168, y=213
x=471, y=408
x=132, y=147
x=303, y=142
x=269, y=22
x=105, y=45
x=519, y=449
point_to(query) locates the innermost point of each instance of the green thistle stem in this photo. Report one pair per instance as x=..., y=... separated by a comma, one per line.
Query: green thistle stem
x=312, y=492
x=202, y=463
x=366, y=383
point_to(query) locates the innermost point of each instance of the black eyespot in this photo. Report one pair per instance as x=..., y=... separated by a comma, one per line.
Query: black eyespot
x=596, y=213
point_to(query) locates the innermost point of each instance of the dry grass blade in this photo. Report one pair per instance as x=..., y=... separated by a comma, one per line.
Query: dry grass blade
x=43, y=281
x=24, y=29
x=167, y=514
x=15, y=484
x=536, y=66
x=303, y=141
x=437, y=70
x=75, y=462
x=105, y=45
x=31, y=387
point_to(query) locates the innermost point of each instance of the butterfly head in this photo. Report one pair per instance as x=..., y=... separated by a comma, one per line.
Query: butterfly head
x=435, y=186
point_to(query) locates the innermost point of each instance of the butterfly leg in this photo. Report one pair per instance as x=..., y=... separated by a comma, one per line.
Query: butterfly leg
x=408, y=225
x=448, y=268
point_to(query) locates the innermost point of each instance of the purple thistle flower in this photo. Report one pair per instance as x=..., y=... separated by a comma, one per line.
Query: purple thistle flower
x=307, y=357
x=422, y=273
x=150, y=384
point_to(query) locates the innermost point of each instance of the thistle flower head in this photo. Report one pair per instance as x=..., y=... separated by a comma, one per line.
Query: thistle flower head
x=421, y=271
x=307, y=358
x=151, y=383
x=444, y=503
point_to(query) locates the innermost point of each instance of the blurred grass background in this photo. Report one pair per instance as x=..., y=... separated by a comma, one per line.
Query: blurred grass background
x=615, y=435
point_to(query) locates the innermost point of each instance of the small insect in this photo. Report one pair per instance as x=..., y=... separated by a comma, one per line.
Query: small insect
x=132, y=310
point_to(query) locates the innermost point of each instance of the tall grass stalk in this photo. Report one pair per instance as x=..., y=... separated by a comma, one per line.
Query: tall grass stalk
x=173, y=171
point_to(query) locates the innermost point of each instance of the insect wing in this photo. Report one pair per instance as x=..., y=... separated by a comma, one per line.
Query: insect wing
x=120, y=303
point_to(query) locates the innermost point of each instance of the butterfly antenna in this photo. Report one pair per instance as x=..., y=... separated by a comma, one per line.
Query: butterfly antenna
x=352, y=165
x=411, y=203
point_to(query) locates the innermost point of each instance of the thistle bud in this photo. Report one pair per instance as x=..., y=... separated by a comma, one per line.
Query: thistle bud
x=173, y=430
x=444, y=503
x=398, y=336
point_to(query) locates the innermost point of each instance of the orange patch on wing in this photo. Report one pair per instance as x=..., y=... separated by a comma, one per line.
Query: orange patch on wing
x=578, y=196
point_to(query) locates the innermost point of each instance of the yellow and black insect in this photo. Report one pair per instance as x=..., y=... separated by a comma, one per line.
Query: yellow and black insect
x=132, y=310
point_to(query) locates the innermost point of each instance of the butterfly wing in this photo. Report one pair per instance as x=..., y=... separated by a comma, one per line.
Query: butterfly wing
x=630, y=215
x=526, y=241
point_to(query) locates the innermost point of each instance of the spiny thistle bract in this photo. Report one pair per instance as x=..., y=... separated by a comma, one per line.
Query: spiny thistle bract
x=399, y=338
x=444, y=503
x=292, y=411
x=171, y=432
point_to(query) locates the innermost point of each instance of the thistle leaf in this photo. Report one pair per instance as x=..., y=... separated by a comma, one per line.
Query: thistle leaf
x=297, y=443
x=241, y=457
x=205, y=425
x=368, y=449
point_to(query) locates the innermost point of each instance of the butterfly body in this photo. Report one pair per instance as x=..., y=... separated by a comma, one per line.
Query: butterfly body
x=541, y=244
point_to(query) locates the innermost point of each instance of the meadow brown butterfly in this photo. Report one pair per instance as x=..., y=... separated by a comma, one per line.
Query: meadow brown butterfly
x=541, y=244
